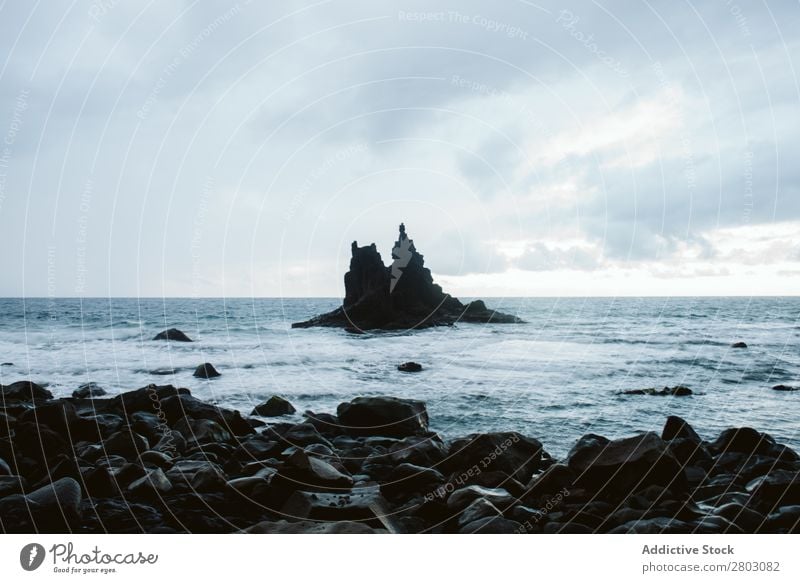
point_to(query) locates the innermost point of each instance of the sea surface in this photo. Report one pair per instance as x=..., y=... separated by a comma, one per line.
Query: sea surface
x=555, y=377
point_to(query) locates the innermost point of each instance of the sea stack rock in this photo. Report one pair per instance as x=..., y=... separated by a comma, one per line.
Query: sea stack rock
x=398, y=297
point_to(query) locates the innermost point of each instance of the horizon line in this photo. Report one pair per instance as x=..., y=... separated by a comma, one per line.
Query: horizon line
x=327, y=297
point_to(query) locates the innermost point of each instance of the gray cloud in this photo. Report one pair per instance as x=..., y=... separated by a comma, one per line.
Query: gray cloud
x=506, y=122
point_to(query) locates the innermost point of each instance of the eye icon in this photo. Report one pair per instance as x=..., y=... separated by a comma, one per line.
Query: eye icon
x=31, y=556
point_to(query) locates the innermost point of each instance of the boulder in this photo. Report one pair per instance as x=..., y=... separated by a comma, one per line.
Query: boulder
x=183, y=405
x=407, y=479
x=743, y=517
x=409, y=367
x=62, y=497
x=199, y=431
x=310, y=473
x=196, y=475
x=677, y=428
x=11, y=484
x=206, y=371
x=363, y=505
x=785, y=388
x=778, y=488
x=510, y=452
x=172, y=334
x=553, y=480
x=275, y=406
x=744, y=440
x=388, y=416
x=618, y=468
x=479, y=508
x=25, y=391
x=147, y=399
x=88, y=391
x=126, y=443
x=463, y=497
x=153, y=483
x=739, y=345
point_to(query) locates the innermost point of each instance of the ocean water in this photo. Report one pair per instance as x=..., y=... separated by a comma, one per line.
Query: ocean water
x=556, y=377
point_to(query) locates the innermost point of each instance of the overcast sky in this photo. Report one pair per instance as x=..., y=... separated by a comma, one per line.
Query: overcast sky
x=236, y=149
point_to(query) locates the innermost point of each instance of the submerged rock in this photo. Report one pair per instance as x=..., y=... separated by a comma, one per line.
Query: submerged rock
x=785, y=388
x=206, y=371
x=402, y=296
x=409, y=367
x=678, y=391
x=172, y=334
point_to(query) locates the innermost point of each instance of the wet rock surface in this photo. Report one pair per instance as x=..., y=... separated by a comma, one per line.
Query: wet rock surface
x=157, y=459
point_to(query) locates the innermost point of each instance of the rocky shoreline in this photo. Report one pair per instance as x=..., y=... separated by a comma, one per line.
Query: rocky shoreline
x=159, y=460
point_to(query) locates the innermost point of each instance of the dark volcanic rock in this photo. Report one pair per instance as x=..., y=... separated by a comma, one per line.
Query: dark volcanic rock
x=172, y=334
x=206, y=371
x=618, y=468
x=388, y=416
x=409, y=367
x=25, y=391
x=677, y=428
x=88, y=391
x=402, y=296
x=275, y=406
x=511, y=453
x=678, y=391
x=183, y=405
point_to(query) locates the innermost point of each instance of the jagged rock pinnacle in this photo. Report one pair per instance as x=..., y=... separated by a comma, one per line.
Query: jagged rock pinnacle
x=401, y=296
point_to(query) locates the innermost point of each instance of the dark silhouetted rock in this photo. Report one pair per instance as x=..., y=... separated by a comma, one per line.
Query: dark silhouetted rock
x=785, y=388
x=617, y=468
x=153, y=483
x=88, y=391
x=678, y=391
x=172, y=334
x=407, y=479
x=402, y=296
x=745, y=440
x=61, y=497
x=275, y=406
x=25, y=391
x=388, y=416
x=409, y=367
x=184, y=405
x=677, y=428
x=206, y=371
x=511, y=453
x=739, y=345
x=778, y=488
x=127, y=444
